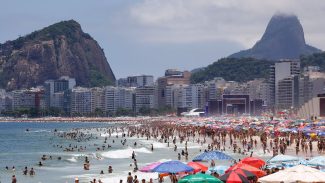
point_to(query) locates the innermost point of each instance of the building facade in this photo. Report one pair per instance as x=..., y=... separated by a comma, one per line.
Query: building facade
x=281, y=74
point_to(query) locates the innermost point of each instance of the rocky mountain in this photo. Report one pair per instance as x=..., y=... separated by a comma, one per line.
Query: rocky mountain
x=283, y=39
x=61, y=49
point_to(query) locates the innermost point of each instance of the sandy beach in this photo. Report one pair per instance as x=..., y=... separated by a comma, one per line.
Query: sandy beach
x=112, y=141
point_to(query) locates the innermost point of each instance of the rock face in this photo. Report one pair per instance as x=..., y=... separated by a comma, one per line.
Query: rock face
x=283, y=39
x=61, y=49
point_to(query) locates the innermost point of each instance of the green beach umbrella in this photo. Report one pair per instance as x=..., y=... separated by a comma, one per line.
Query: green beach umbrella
x=199, y=178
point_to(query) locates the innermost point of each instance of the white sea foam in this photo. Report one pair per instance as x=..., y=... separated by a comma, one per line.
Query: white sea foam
x=72, y=159
x=79, y=155
x=38, y=131
x=157, y=145
x=112, y=135
x=124, y=153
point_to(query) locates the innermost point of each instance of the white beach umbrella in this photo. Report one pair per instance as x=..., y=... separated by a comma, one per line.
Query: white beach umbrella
x=299, y=173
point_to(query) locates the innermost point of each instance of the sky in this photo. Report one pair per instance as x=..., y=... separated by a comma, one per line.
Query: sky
x=150, y=36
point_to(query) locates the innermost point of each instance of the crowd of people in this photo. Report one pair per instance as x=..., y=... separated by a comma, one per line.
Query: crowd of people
x=242, y=141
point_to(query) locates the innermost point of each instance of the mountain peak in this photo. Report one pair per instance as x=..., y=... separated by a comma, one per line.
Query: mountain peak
x=283, y=39
x=61, y=49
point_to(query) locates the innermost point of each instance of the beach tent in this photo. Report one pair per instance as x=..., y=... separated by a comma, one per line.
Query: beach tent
x=299, y=173
x=282, y=158
x=255, y=162
x=199, y=178
x=172, y=167
x=212, y=155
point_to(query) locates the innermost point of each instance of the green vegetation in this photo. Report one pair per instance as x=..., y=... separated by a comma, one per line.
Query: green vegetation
x=233, y=69
x=143, y=111
x=246, y=69
x=124, y=112
x=317, y=59
x=67, y=28
x=97, y=79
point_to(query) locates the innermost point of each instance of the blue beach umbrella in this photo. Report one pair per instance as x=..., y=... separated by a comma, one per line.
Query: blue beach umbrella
x=172, y=167
x=317, y=161
x=322, y=134
x=212, y=155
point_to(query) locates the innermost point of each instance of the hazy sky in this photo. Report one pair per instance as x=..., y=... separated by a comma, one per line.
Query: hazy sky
x=149, y=36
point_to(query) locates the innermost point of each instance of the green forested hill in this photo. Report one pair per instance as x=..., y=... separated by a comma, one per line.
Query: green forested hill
x=317, y=59
x=245, y=69
x=233, y=69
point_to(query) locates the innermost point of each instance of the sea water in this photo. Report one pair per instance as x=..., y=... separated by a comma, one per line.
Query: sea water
x=21, y=148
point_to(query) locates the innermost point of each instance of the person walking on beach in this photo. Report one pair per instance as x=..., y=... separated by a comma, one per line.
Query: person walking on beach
x=133, y=155
x=135, y=165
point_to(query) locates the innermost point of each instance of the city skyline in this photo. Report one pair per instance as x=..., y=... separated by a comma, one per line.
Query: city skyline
x=163, y=34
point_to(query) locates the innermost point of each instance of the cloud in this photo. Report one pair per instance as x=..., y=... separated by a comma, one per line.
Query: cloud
x=241, y=21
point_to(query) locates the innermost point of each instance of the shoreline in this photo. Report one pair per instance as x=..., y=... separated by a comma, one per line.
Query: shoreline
x=78, y=119
x=145, y=131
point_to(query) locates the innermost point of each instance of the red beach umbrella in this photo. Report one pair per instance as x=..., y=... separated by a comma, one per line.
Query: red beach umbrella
x=256, y=171
x=233, y=177
x=255, y=162
x=249, y=175
x=197, y=166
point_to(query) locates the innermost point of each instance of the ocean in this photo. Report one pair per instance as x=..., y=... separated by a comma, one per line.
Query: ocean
x=20, y=148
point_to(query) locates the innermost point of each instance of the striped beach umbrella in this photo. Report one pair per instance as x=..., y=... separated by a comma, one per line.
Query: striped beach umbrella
x=256, y=171
x=233, y=177
x=249, y=175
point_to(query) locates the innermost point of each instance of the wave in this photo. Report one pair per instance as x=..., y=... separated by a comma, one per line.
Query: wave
x=72, y=160
x=38, y=131
x=157, y=145
x=124, y=153
x=112, y=135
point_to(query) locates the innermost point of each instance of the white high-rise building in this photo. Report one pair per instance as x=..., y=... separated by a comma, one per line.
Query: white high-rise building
x=119, y=97
x=283, y=73
x=186, y=96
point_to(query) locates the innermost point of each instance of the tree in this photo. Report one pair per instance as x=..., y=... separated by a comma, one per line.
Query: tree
x=145, y=111
x=124, y=112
